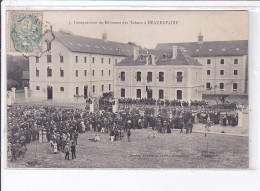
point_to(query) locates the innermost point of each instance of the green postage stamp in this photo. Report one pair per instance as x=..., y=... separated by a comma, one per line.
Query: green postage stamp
x=25, y=32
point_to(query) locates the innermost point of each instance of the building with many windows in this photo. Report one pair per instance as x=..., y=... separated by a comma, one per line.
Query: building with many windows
x=159, y=74
x=225, y=65
x=75, y=66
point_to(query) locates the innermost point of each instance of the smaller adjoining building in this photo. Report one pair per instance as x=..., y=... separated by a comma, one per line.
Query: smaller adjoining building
x=159, y=74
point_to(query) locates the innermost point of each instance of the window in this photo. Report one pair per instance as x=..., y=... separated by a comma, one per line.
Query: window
x=93, y=59
x=221, y=86
x=222, y=61
x=141, y=57
x=37, y=59
x=109, y=60
x=61, y=73
x=161, y=94
x=93, y=89
x=164, y=57
x=234, y=86
x=221, y=72
x=85, y=59
x=208, y=61
x=235, y=61
x=179, y=94
x=179, y=76
x=138, y=76
x=138, y=93
x=149, y=77
x=208, y=86
x=161, y=76
x=61, y=59
x=37, y=73
x=109, y=87
x=85, y=72
x=109, y=72
x=102, y=87
x=62, y=89
x=76, y=59
x=48, y=46
x=93, y=72
x=235, y=72
x=49, y=72
x=37, y=87
x=208, y=72
x=150, y=60
x=77, y=73
x=122, y=92
x=115, y=61
x=102, y=60
x=77, y=90
x=122, y=76
x=48, y=58
x=102, y=72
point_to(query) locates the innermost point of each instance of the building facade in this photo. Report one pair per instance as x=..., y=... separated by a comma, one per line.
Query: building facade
x=159, y=74
x=225, y=64
x=74, y=66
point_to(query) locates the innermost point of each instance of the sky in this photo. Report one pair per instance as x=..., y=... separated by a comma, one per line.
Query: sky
x=214, y=25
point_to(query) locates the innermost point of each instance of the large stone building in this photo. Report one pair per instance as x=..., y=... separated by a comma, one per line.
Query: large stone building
x=75, y=65
x=159, y=74
x=225, y=65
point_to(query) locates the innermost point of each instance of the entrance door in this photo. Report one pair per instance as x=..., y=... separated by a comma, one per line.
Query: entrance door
x=85, y=91
x=150, y=94
x=49, y=92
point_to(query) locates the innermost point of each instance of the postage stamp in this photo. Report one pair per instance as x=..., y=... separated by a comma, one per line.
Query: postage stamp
x=25, y=31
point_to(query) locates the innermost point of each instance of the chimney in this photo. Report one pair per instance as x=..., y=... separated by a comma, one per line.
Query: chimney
x=174, y=52
x=136, y=52
x=104, y=36
x=200, y=39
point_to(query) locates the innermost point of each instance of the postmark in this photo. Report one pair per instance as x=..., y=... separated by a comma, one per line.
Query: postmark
x=26, y=32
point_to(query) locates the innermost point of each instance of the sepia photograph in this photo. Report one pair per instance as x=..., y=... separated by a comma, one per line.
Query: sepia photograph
x=127, y=89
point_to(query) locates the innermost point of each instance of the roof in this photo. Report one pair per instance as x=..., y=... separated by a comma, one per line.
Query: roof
x=182, y=58
x=211, y=48
x=26, y=75
x=91, y=45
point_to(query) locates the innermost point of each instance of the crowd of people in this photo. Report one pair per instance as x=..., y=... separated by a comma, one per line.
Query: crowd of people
x=165, y=102
x=63, y=126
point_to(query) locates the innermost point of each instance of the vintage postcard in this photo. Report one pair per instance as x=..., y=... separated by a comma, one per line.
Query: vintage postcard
x=127, y=89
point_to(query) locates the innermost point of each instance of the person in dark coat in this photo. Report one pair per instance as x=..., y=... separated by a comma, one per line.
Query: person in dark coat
x=128, y=135
x=73, y=150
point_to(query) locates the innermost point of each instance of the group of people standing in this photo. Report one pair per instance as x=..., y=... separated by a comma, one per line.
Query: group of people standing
x=63, y=126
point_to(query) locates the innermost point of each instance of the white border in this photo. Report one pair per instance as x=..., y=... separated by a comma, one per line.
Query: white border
x=142, y=179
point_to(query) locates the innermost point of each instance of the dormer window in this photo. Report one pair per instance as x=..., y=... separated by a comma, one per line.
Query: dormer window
x=164, y=57
x=150, y=60
x=142, y=57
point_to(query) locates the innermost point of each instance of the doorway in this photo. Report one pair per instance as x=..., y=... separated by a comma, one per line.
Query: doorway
x=149, y=94
x=85, y=91
x=49, y=92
